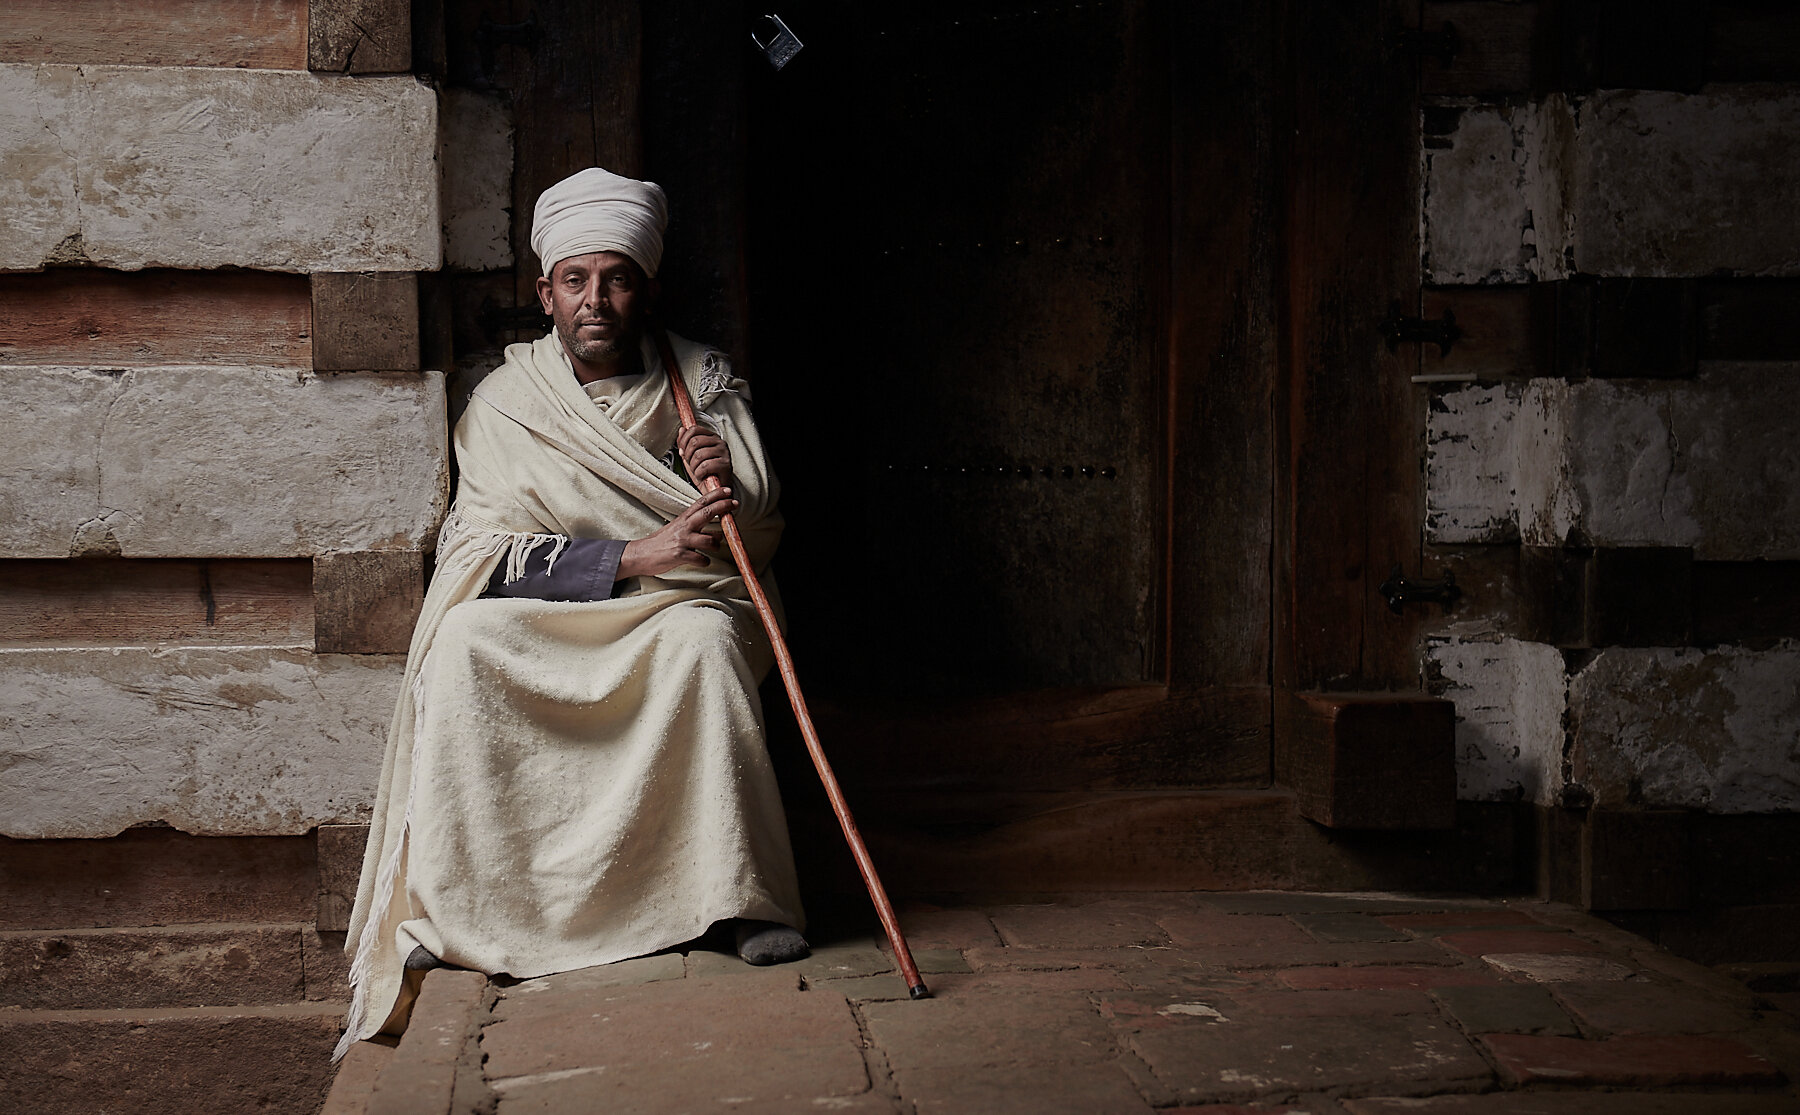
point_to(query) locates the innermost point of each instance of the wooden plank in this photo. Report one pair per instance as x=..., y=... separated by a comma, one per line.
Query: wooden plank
x=1369, y=761
x=1504, y=335
x=1223, y=349
x=1749, y=319
x=92, y=318
x=1350, y=495
x=253, y=34
x=1129, y=738
x=134, y=602
x=365, y=321
x=340, y=867
x=155, y=876
x=1494, y=55
x=366, y=602
x=1755, y=603
x=1752, y=40
x=359, y=36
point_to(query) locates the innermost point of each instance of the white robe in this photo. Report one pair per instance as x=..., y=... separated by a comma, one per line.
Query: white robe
x=570, y=784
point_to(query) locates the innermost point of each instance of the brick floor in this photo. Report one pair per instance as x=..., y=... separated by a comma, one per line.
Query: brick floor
x=1326, y=1004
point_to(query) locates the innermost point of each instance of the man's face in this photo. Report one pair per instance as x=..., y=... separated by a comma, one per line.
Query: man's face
x=597, y=302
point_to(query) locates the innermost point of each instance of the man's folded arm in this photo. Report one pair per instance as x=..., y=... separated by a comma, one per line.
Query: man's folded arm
x=586, y=569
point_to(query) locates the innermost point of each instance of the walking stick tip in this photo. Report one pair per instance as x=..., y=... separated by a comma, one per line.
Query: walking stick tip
x=920, y=991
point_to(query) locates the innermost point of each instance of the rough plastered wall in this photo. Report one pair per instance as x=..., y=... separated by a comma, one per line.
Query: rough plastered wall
x=225, y=458
x=1628, y=471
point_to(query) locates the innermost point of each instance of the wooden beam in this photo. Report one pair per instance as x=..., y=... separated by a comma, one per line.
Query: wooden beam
x=359, y=36
x=133, y=602
x=367, y=602
x=252, y=34
x=86, y=317
x=1369, y=760
x=1494, y=48
x=365, y=321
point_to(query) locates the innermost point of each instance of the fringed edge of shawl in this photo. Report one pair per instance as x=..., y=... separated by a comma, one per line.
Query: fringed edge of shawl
x=516, y=544
x=383, y=897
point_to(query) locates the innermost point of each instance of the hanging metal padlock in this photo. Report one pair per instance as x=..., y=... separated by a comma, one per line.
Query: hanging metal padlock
x=778, y=44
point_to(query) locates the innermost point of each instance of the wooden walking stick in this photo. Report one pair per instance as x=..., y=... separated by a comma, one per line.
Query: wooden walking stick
x=785, y=662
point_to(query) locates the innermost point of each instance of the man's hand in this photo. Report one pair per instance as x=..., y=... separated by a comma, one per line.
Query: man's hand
x=703, y=453
x=682, y=542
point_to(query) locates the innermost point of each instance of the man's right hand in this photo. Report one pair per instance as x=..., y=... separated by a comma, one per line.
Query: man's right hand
x=683, y=542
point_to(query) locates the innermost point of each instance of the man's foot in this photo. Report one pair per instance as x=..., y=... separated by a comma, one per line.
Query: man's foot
x=421, y=960
x=767, y=942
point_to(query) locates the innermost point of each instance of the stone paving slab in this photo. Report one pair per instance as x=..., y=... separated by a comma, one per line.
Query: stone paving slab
x=1631, y=1007
x=1347, y=927
x=570, y=990
x=1215, y=929
x=1506, y=1009
x=1382, y=978
x=1637, y=1060
x=1241, y=1061
x=995, y=1029
x=1560, y=968
x=1541, y=941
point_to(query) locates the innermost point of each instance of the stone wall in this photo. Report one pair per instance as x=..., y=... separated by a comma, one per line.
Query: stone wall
x=1613, y=452
x=193, y=370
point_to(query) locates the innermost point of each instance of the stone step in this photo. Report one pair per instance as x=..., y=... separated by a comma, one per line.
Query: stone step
x=208, y=965
x=273, y=1060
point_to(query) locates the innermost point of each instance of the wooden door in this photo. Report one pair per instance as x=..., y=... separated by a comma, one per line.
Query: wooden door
x=1011, y=332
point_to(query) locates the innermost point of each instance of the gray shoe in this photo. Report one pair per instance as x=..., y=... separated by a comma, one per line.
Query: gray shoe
x=421, y=960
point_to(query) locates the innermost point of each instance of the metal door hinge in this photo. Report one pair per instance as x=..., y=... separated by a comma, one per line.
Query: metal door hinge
x=1399, y=330
x=1400, y=590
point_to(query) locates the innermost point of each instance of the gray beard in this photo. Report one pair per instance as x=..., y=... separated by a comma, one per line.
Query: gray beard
x=601, y=352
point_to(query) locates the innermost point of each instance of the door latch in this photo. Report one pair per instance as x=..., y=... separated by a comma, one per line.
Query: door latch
x=1400, y=590
x=1399, y=330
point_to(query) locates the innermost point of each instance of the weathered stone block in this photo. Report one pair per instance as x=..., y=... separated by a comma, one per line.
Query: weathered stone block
x=177, y=966
x=1509, y=698
x=477, y=157
x=1653, y=1060
x=1495, y=204
x=1678, y=728
x=133, y=167
x=1709, y=464
x=233, y=741
x=1623, y=183
x=220, y=462
x=1470, y=493
x=340, y=869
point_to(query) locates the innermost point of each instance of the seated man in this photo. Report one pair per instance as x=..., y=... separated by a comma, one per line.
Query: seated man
x=575, y=770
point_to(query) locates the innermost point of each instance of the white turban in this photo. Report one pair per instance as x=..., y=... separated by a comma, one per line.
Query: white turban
x=598, y=211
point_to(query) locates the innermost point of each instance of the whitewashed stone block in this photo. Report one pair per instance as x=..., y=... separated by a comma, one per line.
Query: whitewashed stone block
x=477, y=157
x=1469, y=466
x=1494, y=206
x=1682, y=728
x=1509, y=697
x=258, y=741
x=219, y=462
x=1710, y=463
x=132, y=167
x=1620, y=183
